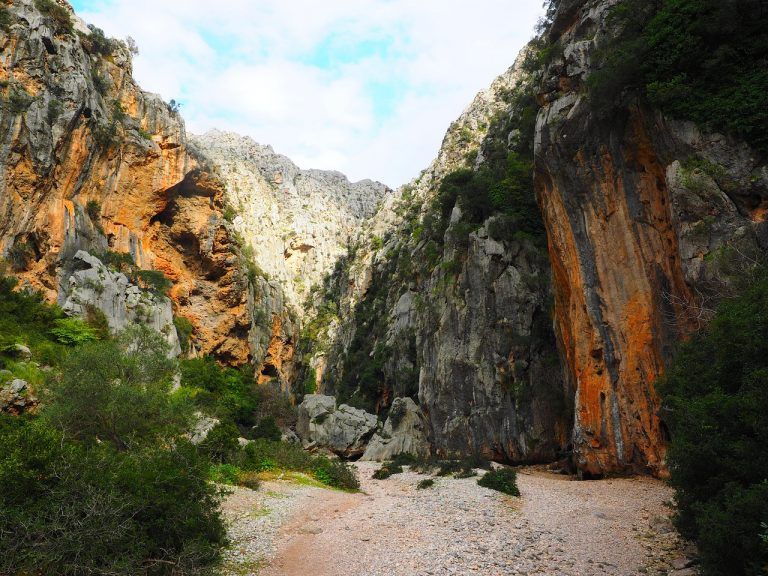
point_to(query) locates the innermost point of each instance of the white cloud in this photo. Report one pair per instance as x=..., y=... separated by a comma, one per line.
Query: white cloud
x=367, y=87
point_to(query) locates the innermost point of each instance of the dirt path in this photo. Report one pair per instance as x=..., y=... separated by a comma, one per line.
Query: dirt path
x=557, y=527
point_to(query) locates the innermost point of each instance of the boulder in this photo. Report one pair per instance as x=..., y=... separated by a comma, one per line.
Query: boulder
x=405, y=432
x=16, y=397
x=344, y=430
x=21, y=351
x=203, y=426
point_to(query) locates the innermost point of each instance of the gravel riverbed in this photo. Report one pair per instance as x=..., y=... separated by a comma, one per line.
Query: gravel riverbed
x=557, y=526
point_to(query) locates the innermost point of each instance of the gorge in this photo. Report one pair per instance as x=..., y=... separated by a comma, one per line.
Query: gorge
x=525, y=292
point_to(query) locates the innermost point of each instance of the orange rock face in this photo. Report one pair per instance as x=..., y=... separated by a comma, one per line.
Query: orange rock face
x=107, y=167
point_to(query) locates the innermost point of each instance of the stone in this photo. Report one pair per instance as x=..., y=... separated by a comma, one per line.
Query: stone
x=290, y=437
x=21, y=351
x=404, y=432
x=344, y=430
x=202, y=427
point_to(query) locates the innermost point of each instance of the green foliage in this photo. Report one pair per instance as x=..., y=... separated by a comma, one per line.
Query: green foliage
x=699, y=60
x=335, y=473
x=119, y=261
x=58, y=15
x=18, y=99
x=118, y=392
x=267, y=428
x=225, y=474
x=105, y=134
x=93, y=209
x=503, y=480
x=73, y=331
x=6, y=19
x=100, y=82
x=715, y=399
x=184, y=330
x=386, y=471
x=227, y=393
x=424, y=484
x=265, y=455
x=55, y=108
x=75, y=510
x=310, y=381
x=97, y=42
x=221, y=443
x=26, y=319
x=153, y=280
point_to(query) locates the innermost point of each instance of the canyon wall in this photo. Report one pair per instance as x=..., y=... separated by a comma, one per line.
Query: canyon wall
x=637, y=208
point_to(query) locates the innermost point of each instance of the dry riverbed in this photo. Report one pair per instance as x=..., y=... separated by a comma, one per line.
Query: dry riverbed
x=557, y=527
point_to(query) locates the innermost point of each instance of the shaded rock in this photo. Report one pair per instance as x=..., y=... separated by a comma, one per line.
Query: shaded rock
x=405, y=432
x=21, y=351
x=290, y=437
x=90, y=283
x=344, y=430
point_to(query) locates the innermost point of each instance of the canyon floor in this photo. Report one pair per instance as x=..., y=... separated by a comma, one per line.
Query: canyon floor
x=558, y=526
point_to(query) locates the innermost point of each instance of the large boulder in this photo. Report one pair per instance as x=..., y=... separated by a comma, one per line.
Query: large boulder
x=344, y=430
x=405, y=432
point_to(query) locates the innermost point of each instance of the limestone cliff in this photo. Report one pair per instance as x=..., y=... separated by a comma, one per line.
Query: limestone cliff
x=90, y=162
x=449, y=310
x=298, y=222
x=637, y=207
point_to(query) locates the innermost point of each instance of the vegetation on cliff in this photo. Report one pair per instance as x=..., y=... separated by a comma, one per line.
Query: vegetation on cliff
x=699, y=60
x=716, y=397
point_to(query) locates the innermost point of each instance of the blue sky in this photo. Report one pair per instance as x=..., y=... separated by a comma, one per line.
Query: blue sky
x=367, y=87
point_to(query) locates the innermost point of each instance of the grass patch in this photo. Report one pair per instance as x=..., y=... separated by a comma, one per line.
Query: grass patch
x=424, y=484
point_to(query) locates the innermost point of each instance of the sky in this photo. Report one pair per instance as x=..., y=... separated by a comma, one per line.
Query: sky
x=366, y=87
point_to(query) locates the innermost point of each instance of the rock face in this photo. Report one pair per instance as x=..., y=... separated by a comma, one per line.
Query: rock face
x=298, y=222
x=343, y=430
x=405, y=432
x=91, y=283
x=633, y=236
x=468, y=335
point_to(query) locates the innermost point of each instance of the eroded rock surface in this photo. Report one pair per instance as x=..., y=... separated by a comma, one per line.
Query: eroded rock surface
x=344, y=430
x=405, y=432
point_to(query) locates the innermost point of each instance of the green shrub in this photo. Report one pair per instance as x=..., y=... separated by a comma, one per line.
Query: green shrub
x=77, y=510
x=97, y=321
x=101, y=84
x=263, y=454
x=426, y=483
x=106, y=134
x=699, y=60
x=225, y=474
x=267, y=428
x=221, y=444
x=386, y=471
x=5, y=19
x=503, y=480
x=18, y=100
x=184, y=330
x=73, y=331
x=715, y=401
x=98, y=43
x=93, y=209
x=62, y=22
x=117, y=392
x=55, y=109
x=227, y=393
x=335, y=473
x=153, y=280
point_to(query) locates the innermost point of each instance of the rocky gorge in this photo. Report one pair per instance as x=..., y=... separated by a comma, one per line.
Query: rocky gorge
x=520, y=337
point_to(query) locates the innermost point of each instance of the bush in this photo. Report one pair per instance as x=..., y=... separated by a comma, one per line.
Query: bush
x=98, y=43
x=78, y=510
x=18, y=99
x=20, y=255
x=335, y=473
x=699, y=60
x=386, y=471
x=153, y=280
x=184, y=330
x=5, y=19
x=715, y=400
x=263, y=455
x=73, y=331
x=503, y=480
x=221, y=443
x=117, y=392
x=62, y=22
x=267, y=428
x=93, y=209
x=426, y=483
